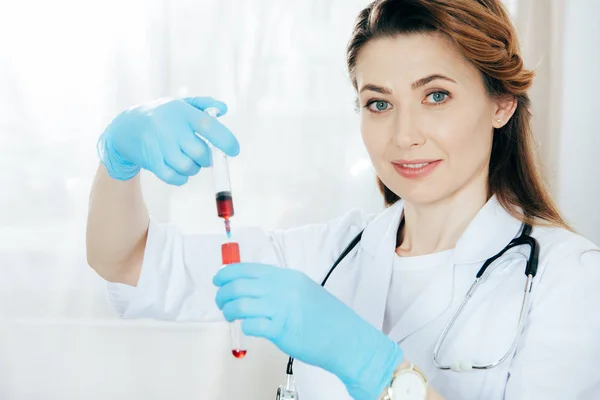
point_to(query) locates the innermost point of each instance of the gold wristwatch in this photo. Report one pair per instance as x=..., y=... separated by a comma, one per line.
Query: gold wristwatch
x=408, y=383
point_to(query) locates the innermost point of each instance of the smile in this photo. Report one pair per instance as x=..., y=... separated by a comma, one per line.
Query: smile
x=415, y=170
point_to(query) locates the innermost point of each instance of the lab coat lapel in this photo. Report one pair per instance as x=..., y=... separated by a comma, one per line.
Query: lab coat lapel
x=428, y=306
x=489, y=232
x=475, y=245
x=491, y=229
x=378, y=242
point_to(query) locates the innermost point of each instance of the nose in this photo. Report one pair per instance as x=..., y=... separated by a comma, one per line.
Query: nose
x=407, y=133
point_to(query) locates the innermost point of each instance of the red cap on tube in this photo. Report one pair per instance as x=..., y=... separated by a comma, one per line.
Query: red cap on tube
x=230, y=253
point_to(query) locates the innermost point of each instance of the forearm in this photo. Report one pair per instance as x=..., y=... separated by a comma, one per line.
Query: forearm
x=117, y=228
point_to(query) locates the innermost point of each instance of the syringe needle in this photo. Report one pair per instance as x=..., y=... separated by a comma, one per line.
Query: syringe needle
x=228, y=228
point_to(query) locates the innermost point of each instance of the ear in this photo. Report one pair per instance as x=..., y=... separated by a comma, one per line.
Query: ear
x=504, y=109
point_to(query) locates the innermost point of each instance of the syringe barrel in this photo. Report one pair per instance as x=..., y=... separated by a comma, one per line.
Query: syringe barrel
x=220, y=164
x=220, y=167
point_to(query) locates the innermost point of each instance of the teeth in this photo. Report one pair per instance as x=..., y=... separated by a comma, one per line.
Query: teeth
x=414, y=165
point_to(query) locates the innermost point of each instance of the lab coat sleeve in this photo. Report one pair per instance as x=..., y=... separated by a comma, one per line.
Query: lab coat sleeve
x=177, y=270
x=559, y=351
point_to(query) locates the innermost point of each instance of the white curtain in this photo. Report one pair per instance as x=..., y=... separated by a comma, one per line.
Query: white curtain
x=68, y=66
x=561, y=41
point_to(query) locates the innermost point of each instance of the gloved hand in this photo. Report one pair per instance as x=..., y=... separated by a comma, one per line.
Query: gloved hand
x=307, y=322
x=159, y=137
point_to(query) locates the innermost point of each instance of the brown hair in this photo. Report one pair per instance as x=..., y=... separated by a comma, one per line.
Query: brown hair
x=483, y=31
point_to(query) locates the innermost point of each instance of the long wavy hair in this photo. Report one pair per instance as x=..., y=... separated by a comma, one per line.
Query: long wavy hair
x=483, y=31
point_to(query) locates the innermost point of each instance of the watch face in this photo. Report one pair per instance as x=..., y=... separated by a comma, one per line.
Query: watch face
x=409, y=385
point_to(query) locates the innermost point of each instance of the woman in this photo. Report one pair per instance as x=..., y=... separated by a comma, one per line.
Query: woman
x=445, y=118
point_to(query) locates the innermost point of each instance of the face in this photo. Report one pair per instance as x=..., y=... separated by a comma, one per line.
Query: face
x=426, y=119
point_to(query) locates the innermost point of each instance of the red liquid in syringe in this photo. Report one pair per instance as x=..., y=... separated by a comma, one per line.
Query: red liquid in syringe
x=224, y=205
x=225, y=209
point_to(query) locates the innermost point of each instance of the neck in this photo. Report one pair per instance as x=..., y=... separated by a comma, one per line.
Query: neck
x=434, y=227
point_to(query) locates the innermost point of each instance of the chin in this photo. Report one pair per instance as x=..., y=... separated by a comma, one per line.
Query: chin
x=420, y=194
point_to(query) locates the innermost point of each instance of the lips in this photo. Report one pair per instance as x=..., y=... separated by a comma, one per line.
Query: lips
x=414, y=169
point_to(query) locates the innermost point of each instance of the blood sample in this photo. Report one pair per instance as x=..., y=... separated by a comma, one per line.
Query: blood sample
x=238, y=353
x=224, y=204
x=225, y=209
x=230, y=254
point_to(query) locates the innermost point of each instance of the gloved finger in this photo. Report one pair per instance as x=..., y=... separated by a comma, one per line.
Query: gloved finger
x=169, y=175
x=241, y=288
x=242, y=270
x=177, y=160
x=212, y=130
x=202, y=103
x=154, y=162
x=259, y=327
x=181, y=163
x=247, y=308
x=196, y=149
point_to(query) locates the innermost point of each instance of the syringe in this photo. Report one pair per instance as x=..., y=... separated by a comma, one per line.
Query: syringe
x=230, y=251
x=221, y=181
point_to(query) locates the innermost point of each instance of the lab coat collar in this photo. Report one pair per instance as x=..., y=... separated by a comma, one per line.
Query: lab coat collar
x=378, y=242
x=488, y=233
x=491, y=229
x=381, y=231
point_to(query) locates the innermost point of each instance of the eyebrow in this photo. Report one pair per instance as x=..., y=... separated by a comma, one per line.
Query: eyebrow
x=375, y=88
x=415, y=85
x=430, y=78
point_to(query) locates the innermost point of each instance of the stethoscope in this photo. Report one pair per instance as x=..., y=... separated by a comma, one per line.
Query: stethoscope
x=288, y=392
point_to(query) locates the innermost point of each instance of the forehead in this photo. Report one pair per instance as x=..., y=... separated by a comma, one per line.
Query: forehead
x=400, y=60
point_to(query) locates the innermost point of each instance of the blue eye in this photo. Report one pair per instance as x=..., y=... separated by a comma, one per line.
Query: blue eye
x=380, y=105
x=437, y=97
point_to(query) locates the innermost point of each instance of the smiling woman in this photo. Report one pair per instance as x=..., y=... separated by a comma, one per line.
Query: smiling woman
x=444, y=116
x=448, y=97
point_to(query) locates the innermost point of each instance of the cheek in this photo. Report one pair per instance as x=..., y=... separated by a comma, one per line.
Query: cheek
x=374, y=136
x=466, y=141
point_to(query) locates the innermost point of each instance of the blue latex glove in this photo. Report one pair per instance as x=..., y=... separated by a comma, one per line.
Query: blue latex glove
x=159, y=137
x=307, y=322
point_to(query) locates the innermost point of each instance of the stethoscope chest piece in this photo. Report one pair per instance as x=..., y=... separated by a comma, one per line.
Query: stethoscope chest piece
x=286, y=394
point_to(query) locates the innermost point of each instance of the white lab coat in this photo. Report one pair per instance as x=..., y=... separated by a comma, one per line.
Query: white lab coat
x=557, y=355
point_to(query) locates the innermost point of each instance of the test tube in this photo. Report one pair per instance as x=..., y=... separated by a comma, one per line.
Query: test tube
x=222, y=184
x=230, y=254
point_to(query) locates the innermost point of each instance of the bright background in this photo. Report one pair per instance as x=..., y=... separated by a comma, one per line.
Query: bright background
x=68, y=66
